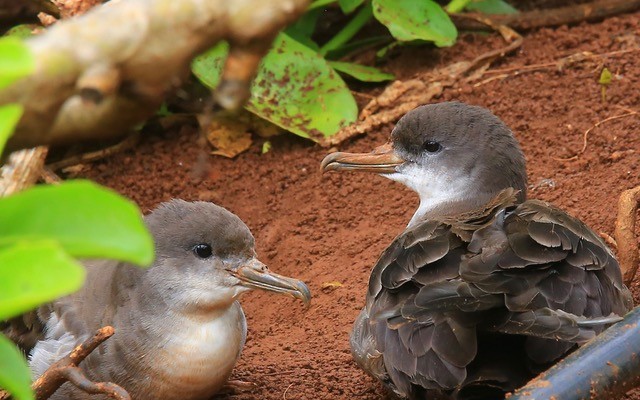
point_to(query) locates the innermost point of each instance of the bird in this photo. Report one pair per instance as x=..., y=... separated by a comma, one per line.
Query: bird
x=484, y=288
x=179, y=328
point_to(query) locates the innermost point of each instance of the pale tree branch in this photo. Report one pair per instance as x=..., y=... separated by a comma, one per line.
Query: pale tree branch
x=105, y=71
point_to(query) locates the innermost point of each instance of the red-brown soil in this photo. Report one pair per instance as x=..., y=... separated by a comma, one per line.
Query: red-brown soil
x=332, y=228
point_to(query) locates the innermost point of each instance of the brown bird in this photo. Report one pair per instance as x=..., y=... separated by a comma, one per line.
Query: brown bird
x=179, y=327
x=484, y=288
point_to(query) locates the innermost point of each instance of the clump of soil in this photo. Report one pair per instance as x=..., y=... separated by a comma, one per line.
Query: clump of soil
x=332, y=228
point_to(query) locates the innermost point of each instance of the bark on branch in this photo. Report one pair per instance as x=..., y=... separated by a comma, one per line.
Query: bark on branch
x=98, y=74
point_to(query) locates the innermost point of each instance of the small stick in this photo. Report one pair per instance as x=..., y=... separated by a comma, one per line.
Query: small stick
x=284, y=395
x=125, y=144
x=76, y=376
x=585, y=135
x=625, y=233
x=66, y=369
x=594, y=10
x=49, y=177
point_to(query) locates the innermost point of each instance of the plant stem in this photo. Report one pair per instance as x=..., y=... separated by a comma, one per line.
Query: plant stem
x=455, y=6
x=349, y=31
x=319, y=4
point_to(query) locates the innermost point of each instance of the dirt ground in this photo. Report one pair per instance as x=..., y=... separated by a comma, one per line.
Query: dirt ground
x=332, y=228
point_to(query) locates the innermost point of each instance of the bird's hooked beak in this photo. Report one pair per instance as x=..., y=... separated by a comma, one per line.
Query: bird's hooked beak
x=382, y=160
x=255, y=274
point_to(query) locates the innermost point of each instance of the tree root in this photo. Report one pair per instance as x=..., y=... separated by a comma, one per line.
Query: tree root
x=66, y=369
x=592, y=11
x=129, y=142
x=628, y=254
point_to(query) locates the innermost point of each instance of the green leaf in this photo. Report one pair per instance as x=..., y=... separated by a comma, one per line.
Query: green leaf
x=347, y=6
x=88, y=221
x=319, y=4
x=21, y=31
x=456, y=6
x=605, y=77
x=410, y=20
x=16, y=60
x=15, y=376
x=295, y=89
x=362, y=72
x=33, y=273
x=491, y=7
x=266, y=146
x=9, y=116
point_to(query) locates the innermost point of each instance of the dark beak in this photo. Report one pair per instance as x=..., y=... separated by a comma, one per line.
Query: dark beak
x=383, y=160
x=255, y=274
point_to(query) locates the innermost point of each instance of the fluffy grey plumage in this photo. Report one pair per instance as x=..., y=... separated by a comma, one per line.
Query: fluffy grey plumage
x=483, y=289
x=179, y=327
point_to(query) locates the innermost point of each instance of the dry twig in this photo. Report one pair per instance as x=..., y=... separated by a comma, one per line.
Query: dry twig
x=129, y=142
x=585, y=135
x=625, y=233
x=66, y=369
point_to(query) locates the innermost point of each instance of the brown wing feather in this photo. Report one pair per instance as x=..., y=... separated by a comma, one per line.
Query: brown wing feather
x=508, y=271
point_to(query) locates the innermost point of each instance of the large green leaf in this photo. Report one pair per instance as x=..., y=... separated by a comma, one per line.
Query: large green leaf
x=492, y=7
x=9, y=117
x=87, y=220
x=361, y=72
x=16, y=60
x=22, y=31
x=411, y=20
x=15, y=376
x=33, y=273
x=295, y=88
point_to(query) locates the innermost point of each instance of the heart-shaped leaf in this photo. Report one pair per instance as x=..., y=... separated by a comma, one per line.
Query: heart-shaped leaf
x=295, y=88
x=412, y=20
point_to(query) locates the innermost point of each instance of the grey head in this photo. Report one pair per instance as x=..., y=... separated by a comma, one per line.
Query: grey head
x=205, y=258
x=456, y=156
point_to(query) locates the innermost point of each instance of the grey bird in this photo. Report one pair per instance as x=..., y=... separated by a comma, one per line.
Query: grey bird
x=484, y=288
x=179, y=327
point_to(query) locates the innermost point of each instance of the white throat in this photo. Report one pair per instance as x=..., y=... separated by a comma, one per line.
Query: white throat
x=436, y=191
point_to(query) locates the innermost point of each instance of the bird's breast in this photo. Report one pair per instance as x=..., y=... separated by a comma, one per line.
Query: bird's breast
x=198, y=356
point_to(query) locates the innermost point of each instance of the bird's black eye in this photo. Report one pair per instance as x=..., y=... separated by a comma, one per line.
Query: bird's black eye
x=431, y=146
x=202, y=250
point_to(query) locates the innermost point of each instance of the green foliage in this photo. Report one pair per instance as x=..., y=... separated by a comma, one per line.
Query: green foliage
x=412, y=20
x=9, y=117
x=45, y=227
x=299, y=91
x=347, y=6
x=32, y=273
x=16, y=60
x=14, y=373
x=361, y=72
x=86, y=220
x=604, y=81
x=294, y=88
